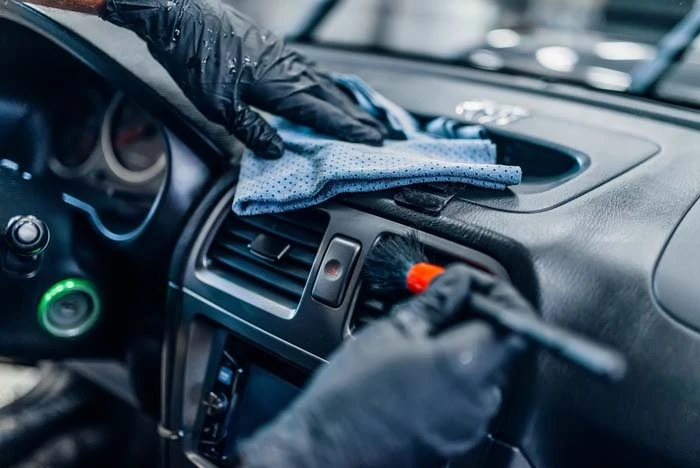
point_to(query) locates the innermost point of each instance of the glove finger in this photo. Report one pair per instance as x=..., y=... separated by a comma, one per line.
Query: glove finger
x=439, y=305
x=256, y=133
x=330, y=92
x=476, y=354
x=501, y=292
x=305, y=109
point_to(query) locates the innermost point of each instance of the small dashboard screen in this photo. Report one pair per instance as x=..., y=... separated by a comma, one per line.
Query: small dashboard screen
x=264, y=396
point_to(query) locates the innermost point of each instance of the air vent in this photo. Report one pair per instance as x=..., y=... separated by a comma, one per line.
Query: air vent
x=270, y=254
x=372, y=304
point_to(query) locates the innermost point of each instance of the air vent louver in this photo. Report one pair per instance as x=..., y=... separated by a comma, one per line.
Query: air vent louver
x=372, y=304
x=280, y=277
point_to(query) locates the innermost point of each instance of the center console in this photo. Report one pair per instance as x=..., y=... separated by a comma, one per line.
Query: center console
x=263, y=301
x=246, y=389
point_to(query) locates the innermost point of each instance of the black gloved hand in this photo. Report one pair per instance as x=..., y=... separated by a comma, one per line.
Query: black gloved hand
x=400, y=395
x=224, y=63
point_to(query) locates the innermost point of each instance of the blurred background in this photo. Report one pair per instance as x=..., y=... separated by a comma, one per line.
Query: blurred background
x=596, y=43
x=446, y=27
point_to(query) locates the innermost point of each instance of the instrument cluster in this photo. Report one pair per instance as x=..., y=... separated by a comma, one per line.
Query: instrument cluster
x=111, y=154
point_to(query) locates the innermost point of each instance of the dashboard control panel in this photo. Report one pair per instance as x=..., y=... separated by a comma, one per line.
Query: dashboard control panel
x=247, y=388
x=217, y=407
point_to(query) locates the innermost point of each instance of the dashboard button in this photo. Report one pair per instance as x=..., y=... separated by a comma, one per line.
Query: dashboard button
x=26, y=235
x=216, y=403
x=336, y=268
x=225, y=375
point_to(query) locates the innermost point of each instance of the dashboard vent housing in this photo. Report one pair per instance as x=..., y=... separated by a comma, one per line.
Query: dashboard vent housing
x=269, y=254
x=371, y=304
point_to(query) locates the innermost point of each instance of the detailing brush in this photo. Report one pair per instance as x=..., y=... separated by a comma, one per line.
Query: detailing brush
x=399, y=263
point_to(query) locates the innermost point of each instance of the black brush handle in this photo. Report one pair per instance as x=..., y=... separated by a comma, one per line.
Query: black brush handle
x=598, y=359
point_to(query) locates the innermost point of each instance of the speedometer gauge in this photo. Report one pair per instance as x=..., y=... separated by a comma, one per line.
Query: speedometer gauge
x=134, y=145
x=76, y=129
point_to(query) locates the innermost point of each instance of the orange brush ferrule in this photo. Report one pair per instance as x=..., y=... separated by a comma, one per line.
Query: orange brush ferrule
x=420, y=275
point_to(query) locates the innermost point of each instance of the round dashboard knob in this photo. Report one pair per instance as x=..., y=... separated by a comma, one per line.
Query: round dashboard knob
x=216, y=402
x=27, y=235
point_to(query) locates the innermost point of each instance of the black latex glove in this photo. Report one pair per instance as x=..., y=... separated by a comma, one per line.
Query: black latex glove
x=400, y=394
x=224, y=63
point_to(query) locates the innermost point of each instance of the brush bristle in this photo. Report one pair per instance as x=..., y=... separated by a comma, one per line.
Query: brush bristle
x=388, y=263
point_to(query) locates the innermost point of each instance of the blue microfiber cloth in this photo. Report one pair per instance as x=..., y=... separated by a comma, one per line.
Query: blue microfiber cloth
x=316, y=167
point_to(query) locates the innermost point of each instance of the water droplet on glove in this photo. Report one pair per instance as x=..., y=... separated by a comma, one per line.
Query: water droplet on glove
x=231, y=67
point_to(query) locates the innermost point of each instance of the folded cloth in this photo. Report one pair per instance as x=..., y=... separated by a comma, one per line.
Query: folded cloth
x=315, y=167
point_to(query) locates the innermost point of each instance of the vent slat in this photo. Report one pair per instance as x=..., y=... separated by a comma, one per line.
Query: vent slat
x=374, y=307
x=285, y=230
x=282, y=267
x=299, y=254
x=240, y=232
x=304, y=256
x=261, y=274
x=231, y=258
x=368, y=308
x=304, y=221
x=372, y=304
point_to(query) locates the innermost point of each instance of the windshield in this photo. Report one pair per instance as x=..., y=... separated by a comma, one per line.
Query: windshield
x=597, y=43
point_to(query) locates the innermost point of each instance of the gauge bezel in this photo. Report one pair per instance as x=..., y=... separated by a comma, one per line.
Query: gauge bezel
x=95, y=156
x=110, y=157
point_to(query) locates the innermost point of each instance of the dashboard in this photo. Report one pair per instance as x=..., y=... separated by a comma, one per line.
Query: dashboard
x=108, y=141
x=593, y=236
x=110, y=154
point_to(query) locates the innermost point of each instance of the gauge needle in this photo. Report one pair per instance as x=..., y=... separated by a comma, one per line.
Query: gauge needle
x=129, y=135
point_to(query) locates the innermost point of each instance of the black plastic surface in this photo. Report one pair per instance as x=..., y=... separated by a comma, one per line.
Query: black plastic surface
x=314, y=328
x=269, y=248
x=600, y=155
x=545, y=164
x=256, y=387
x=21, y=335
x=335, y=272
x=184, y=183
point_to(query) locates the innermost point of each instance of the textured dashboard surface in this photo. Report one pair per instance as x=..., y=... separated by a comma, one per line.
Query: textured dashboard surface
x=675, y=279
x=587, y=262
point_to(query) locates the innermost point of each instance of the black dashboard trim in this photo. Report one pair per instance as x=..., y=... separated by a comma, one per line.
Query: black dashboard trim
x=329, y=324
x=249, y=329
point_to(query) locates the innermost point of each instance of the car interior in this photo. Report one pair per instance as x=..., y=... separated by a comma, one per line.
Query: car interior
x=164, y=328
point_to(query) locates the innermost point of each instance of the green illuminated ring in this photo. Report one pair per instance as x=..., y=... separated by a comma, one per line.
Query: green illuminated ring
x=61, y=289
